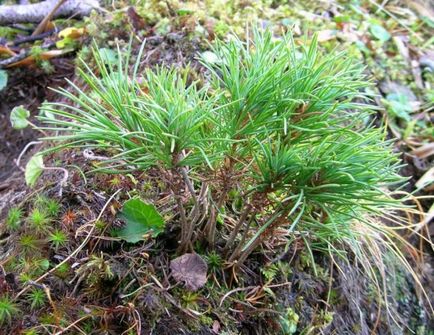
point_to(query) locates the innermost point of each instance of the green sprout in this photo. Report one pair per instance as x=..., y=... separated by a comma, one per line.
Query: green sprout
x=30, y=332
x=52, y=207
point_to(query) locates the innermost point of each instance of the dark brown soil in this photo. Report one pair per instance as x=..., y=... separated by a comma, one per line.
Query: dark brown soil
x=28, y=87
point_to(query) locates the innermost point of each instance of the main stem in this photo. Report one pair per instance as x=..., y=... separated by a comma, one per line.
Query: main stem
x=210, y=227
x=237, y=227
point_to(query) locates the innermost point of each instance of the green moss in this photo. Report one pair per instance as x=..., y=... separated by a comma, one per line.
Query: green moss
x=29, y=243
x=8, y=309
x=58, y=239
x=13, y=219
x=37, y=298
x=38, y=220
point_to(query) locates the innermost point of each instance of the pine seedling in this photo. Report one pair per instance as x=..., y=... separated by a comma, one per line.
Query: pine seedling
x=283, y=126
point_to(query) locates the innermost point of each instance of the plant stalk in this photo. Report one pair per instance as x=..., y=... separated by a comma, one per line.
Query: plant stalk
x=237, y=250
x=237, y=227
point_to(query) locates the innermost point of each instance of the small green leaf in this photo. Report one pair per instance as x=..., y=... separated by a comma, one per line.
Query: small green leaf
x=210, y=57
x=379, y=32
x=44, y=264
x=399, y=106
x=19, y=117
x=3, y=79
x=108, y=56
x=141, y=219
x=34, y=168
x=184, y=11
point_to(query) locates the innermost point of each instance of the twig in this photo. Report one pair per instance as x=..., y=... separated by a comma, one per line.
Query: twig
x=33, y=38
x=411, y=31
x=41, y=26
x=188, y=183
x=234, y=291
x=240, y=245
x=64, y=179
x=73, y=324
x=17, y=161
x=8, y=61
x=88, y=154
x=186, y=231
x=237, y=227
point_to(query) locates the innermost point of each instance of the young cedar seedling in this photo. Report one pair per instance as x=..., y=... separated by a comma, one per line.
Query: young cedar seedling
x=281, y=127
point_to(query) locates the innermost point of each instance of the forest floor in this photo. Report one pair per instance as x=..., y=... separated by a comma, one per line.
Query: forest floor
x=71, y=288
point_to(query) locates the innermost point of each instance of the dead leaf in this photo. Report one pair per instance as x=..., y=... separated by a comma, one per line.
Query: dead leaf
x=136, y=20
x=30, y=60
x=422, y=7
x=326, y=35
x=426, y=179
x=387, y=87
x=401, y=44
x=424, y=151
x=190, y=269
x=71, y=32
x=427, y=60
x=4, y=50
x=216, y=326
x=417, y=74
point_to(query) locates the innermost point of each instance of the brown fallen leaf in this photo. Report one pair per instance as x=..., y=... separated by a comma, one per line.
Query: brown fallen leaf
x=30, y=60
x=136, y=20
x=426, y=180
x=4, y=50
x=190, y=269
x=216, y=326
x=424, y=151
x=326, y=35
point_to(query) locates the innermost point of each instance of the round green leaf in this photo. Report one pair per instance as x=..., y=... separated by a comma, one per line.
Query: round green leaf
x=399, y=106
x=34, y=168
x=108, y=56
x=210, y=57
x=3, y=79
x=141, y=219
x=19, y=117
x=379, y=32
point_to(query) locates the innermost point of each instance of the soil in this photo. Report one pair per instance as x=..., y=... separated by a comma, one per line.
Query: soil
x=28, y=87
